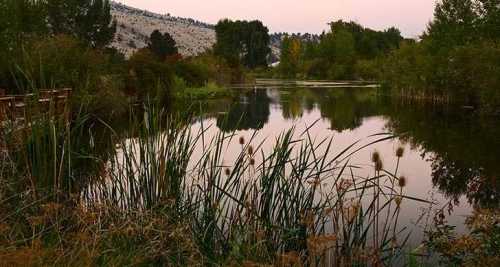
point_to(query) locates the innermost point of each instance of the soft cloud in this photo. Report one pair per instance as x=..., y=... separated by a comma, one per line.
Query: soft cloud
x=411, y=16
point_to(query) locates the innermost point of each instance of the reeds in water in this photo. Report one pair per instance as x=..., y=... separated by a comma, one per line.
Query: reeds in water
x=300, y=203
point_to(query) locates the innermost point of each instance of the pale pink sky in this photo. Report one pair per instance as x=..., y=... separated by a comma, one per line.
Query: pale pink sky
x=410, y=16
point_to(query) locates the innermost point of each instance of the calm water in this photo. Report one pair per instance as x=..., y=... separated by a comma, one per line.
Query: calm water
x=451, y=155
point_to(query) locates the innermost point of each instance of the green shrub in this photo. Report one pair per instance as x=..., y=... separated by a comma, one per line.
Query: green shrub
x=149, y=77
x=195, y=74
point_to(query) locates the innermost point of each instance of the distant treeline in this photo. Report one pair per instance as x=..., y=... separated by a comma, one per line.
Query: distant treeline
x=348, y=51
x=456, y=59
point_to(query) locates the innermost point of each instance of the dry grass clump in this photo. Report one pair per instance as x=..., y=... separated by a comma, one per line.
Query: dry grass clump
x=480, y=247
x=73, y=235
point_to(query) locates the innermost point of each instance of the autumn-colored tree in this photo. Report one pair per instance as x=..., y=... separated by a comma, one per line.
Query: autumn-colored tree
x=291, y=50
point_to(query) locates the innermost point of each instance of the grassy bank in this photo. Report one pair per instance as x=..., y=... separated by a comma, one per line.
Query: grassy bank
x=208, y=91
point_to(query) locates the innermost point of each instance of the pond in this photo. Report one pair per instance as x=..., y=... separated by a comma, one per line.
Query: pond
x=451, y=155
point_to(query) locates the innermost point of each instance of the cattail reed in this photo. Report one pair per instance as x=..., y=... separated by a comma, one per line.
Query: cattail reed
x=375, y=157
x=250, y=151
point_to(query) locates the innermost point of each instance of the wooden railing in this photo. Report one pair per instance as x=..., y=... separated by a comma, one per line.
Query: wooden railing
x=24, y=107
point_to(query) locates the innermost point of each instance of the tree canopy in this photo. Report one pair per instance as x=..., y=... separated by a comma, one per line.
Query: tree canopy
x=243, y=42
x=88, y=20
x=339, y=53
x=460, y=22
x=162, y=45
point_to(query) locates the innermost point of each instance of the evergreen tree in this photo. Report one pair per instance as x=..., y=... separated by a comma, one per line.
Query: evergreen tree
x=162, y=45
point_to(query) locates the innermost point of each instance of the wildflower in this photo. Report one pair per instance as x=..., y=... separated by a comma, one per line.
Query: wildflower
x=402, y=181
x=328, y=211
x=242, y=140
x=307, y=218
x=291, y=258
x=344, y=185
x=375, y=157
x=36, y=220
x=318, y=244
x=247, y=263
x=50, y=209
x=400, y=152
x=314, y=182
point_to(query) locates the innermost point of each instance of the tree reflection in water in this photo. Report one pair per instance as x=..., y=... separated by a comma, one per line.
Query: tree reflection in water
x=463, y=148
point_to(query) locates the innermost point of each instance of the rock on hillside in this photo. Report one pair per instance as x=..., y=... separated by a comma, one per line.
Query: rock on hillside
x=134, y=27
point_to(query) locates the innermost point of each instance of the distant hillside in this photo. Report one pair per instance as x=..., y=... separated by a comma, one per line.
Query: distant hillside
x=193, y=37
x=134, y=27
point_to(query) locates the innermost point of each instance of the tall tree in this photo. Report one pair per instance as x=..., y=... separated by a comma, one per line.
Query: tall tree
x=290, y=56
x=19, y=19
x=162, y=45
x=256, y=40
x=243, y=42
x=89, y=20
x=489, y=10
x=453, y=24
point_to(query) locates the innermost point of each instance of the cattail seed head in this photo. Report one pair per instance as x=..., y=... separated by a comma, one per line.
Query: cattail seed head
x=242, y=140
x=250, y=150
x=379, y=165
x=227, y=171
x=252, y=161
x=400, y=152
x=402, y=181
x=375, y=157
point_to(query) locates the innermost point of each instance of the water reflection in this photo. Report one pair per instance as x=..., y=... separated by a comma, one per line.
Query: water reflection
x=465, y=148
x=249, y=111
x=461, y=149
